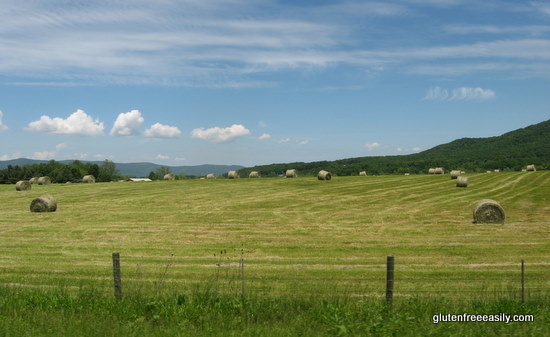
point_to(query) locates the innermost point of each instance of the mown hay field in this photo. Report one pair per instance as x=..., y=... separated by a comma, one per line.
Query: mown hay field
x=297, y=236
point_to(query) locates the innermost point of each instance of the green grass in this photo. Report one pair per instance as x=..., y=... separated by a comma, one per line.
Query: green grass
x=301, y=238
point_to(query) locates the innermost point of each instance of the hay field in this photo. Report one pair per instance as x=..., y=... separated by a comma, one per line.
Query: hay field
x=298, y=236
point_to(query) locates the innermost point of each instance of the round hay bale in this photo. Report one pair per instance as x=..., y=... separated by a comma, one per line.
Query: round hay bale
x=169, y=176
x=45, y=203
x=233, y=174
x=363, y=173
x=455, y=174
x=44, y=181
x=531, y=168
x=210, y=176
x=254, y=174
x=324, y=175
x=33, y=180
x=489, y=212
x=439, y=170
x=497, y=171
x=431, y=171
x=462, y=181
x=22, y=185
x=89, y=179
x=292, y=173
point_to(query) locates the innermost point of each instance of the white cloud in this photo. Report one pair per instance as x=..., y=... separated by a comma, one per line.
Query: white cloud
x=8, y=157
x=127, y=124
x=304, y=142
x=158, y=130
x=285, y=140
x=162, y=157
x=459, y=94
x=3, y=127
x=372, y=146
x=416, y=149
x=220, y=135
x=61, y=146
x=179, y=159
x=400, y=149
x=265, y=136
x=78, y=123
x=44, y=155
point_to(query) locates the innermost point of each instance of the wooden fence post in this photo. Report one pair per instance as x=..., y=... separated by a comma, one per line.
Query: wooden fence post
x=389, y=279
x=116, y=276
x=242, y=278
x=522, y=281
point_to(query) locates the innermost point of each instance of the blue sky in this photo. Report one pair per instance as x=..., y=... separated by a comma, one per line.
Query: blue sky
x=252, y=82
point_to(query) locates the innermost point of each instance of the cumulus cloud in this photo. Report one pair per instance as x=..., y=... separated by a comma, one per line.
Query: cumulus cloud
x=264, y=136
x=78, y=123
x=3, y=127
x=458, y=94
x=372, y=146
x=127, y=124
x=220, y=135
x=304, y=142
x=162, y=157
x=158, y=130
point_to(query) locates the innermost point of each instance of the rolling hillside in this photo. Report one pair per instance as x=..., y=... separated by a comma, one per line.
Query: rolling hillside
x=511, y=151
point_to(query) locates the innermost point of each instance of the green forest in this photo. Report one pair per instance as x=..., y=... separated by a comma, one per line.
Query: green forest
x=59, y=172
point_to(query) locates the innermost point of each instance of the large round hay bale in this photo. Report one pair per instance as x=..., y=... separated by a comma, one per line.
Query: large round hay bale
x=462, y=181
x=363, y=173
x=233, y=174
x=33, y=180
x=324, y=175
x=44, y=181
x=431, y=170
x=489, y=212
x=455, y=174
x=254, y=174
x=169, y=176
x=292, y=173
x=210, y=176
x=531, y=168
x=22, y=185
x=89, y=179
x=439, y=170
x=45, y=203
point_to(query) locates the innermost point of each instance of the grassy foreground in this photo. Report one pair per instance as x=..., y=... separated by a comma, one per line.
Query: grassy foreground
x=309, y=247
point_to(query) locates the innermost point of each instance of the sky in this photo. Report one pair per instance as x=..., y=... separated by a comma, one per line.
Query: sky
x=253, y=82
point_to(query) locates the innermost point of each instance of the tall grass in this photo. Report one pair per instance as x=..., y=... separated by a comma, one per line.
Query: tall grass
x=206, y=312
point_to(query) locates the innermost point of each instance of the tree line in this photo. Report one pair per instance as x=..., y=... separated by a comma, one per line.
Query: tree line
x=61, y=173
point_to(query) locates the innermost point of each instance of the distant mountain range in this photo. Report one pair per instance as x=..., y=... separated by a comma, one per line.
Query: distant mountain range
x=138, y=169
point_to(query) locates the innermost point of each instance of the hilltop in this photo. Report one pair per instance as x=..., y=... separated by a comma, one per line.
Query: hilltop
x=511, y=151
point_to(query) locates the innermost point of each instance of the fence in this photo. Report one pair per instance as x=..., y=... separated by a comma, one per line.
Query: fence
x=400, y=280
